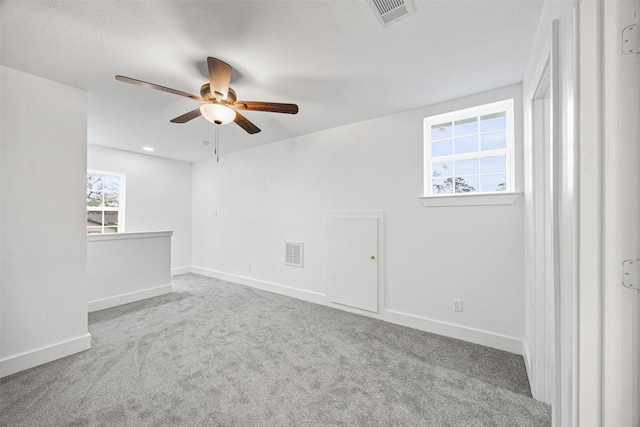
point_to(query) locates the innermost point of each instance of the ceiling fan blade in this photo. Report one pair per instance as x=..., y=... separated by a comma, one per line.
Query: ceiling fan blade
x=219, y=77
x=187, y=116
x=245, y=124
x=272, y=107
x=157, y=87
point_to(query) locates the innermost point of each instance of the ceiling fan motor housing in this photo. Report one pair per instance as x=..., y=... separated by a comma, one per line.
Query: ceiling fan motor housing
x=205, y=92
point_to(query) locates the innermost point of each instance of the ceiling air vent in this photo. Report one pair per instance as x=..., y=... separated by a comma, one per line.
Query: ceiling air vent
x=390, y=11
x=293, y=254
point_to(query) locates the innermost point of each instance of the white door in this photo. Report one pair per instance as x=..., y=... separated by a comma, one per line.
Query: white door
x=621, y=334
x=635, y=318
x=635, y=356
x=629, y=85
x=352, y=262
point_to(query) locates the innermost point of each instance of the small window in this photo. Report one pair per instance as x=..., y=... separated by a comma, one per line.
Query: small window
x=470, y=151
x=105, y=202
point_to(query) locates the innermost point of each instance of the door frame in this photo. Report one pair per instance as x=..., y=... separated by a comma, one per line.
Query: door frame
x=543, y=343
x=379, y=216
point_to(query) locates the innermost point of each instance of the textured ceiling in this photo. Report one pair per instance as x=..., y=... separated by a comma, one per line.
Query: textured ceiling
x=332, y=58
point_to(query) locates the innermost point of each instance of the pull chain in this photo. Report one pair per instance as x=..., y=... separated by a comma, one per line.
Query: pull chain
x=217, y=143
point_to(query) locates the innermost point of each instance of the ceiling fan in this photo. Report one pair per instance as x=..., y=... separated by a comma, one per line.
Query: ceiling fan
x=220, y=105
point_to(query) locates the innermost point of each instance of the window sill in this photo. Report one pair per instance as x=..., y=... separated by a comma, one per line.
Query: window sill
x=470, y=199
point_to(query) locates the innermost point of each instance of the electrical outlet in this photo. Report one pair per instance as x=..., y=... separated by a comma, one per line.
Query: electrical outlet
x=457, y=304
x=249, y=267
x=214, y=214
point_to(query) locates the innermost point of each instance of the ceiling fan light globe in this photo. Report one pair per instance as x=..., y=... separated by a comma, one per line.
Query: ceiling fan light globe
x=218, y=114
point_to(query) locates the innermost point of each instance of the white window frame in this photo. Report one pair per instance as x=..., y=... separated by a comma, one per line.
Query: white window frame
x=121, y=201
x=508, y=196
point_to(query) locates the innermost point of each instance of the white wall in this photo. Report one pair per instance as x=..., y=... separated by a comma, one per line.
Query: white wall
x=158, y=196
x=281, y=191
x=43, y=312
x=139, y=267
x=538, y=357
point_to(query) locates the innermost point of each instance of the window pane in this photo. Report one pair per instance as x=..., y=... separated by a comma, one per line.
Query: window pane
x=441, y=131
x=441, y=169
x=94, y=218
x=493, y=141
x=496, y=182
x=493, y=164
x=111, y=190
x=441, y=148
x=111, y=199
x=467, y=145
x=94, y=189
x=111, y=218
x=466, y=126
x=466, y=167
x=468, y=184
x=110, y=230
x=442, y=186
x=491, y=122
x=94, y=199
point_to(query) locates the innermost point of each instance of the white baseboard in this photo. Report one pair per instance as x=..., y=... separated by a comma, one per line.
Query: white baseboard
x=180, y=270
x=43, y=355
x=477, y=336
x=300, y=294
x=101, y=304
x=526, y=355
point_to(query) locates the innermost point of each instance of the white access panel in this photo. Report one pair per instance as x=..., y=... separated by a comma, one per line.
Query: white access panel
x=352, y=262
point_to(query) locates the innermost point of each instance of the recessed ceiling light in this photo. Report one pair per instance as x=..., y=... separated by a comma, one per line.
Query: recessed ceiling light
x=147, y=148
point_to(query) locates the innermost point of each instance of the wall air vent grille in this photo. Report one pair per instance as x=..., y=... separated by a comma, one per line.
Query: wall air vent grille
x=389, y=11
x=293, y=254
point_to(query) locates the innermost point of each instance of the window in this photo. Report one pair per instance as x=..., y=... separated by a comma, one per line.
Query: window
x=105, y=202
x=470, y=151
